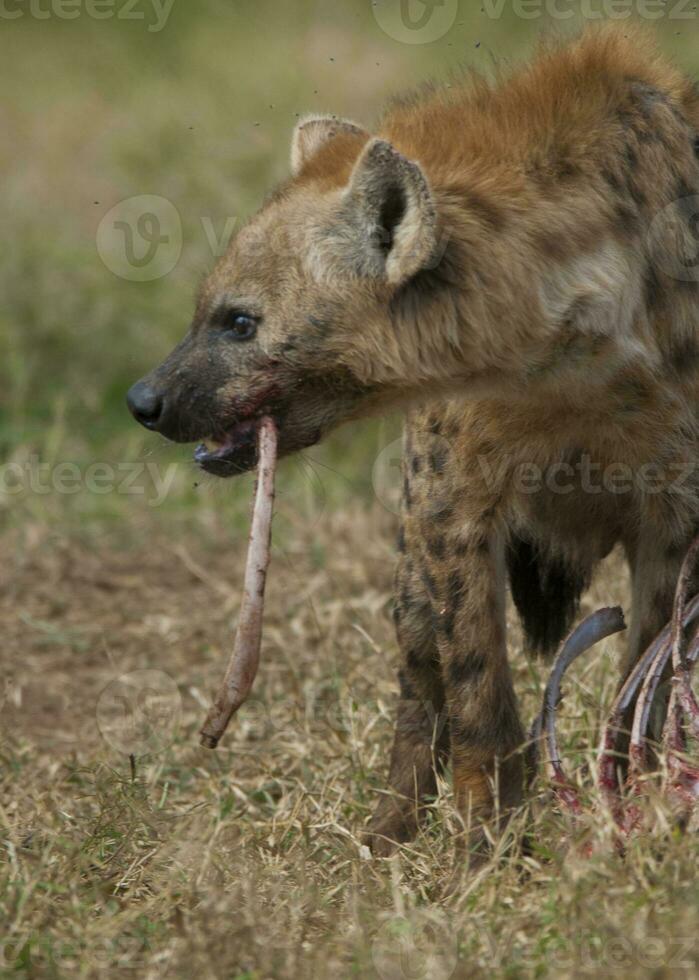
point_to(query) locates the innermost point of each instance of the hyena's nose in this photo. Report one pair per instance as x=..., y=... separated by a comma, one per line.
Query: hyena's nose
x=145, y=404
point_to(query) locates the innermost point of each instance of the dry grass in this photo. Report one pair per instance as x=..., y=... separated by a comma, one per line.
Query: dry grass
x=247, y=862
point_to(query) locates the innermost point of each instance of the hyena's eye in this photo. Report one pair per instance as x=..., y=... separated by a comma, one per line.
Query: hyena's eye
x=240, y=326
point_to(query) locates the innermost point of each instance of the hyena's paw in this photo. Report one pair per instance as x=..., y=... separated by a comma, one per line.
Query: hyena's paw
x=394, y=822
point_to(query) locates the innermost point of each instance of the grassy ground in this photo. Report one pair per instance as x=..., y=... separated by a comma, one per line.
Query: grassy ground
x=247, y=862
x=117, y=598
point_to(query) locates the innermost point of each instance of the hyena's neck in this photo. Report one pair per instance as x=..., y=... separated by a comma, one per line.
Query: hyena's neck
x=515, y=304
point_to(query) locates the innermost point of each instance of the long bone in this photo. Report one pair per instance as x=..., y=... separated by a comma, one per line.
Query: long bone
x=245, y=658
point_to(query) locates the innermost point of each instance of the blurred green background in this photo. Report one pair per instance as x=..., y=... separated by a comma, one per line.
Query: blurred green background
x=194, y=103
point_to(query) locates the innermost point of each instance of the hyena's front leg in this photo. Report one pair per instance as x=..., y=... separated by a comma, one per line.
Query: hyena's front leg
x=421, y=739
x=485, y=731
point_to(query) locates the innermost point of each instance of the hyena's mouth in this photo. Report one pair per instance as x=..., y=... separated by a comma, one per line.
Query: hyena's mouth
x=233, y=453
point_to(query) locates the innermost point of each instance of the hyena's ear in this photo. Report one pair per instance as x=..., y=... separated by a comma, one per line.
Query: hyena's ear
x=391, y=200
x=312, y=132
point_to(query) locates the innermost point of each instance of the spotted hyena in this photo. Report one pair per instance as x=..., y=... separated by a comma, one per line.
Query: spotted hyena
x=511, y=263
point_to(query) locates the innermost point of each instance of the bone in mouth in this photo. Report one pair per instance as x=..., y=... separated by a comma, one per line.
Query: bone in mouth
x=245, y=659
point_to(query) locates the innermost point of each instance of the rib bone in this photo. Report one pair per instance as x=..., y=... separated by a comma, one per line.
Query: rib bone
x=594, y=628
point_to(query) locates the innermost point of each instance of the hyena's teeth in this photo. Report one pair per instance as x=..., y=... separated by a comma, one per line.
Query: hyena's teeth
x=212, y=445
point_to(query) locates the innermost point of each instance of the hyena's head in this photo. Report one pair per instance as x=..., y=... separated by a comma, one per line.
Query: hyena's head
x=298, y=320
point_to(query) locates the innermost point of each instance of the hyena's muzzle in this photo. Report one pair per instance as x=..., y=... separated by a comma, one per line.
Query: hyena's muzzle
x=199, y=395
